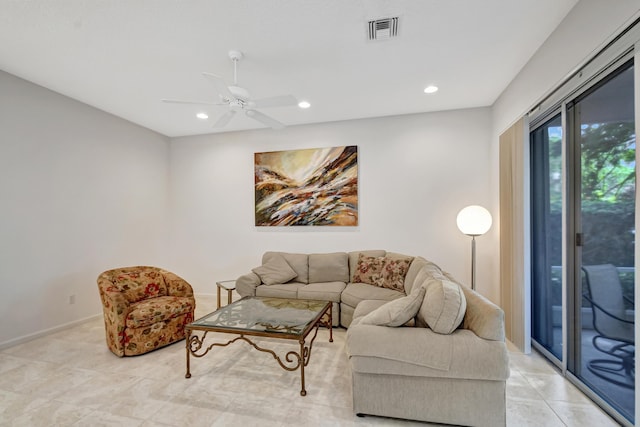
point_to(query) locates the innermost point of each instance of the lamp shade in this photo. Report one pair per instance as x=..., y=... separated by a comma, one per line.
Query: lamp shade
x=474, y=220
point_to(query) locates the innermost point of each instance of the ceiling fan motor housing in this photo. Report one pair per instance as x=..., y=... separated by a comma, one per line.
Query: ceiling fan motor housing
x=239, y=92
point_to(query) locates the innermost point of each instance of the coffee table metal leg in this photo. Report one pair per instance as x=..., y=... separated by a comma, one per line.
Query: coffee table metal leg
x=331, y=323
x=218, y=296
x=303, y=392
x=229, y=294
x=188, y=339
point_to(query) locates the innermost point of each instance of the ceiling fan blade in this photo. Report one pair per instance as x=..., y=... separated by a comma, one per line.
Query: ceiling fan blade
x=275, y=101
x=220, y=85
x=179, y=101
x=224, y=119
x=263, y=118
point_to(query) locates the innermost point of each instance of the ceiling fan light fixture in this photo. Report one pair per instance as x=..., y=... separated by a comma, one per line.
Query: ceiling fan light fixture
x=431, y=89
x=237, y=98
x=304, y=104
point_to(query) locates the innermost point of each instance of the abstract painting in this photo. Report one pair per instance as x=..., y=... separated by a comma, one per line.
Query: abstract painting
x=309, y=187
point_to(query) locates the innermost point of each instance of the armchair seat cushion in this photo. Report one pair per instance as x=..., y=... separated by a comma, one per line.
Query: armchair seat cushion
x=151, y=311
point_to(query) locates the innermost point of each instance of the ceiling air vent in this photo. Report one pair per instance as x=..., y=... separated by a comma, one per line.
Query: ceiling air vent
x=384, y=28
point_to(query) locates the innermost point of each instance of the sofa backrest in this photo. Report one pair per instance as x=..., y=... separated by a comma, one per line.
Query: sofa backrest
x=331, y=267
x=298, y=262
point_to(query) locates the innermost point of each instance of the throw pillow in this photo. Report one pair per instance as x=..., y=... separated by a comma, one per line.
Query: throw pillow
x=369, y=270
x=275, y=271
x=397, y=312
x=394, y=272
x=444, y=305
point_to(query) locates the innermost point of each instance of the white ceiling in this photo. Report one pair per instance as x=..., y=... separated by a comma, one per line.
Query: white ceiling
x=124, y=56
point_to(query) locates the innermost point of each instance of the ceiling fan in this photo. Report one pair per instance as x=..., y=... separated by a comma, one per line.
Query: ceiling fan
x=237, y=98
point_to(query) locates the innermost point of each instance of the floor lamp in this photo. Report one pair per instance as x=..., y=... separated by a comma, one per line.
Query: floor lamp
x=474, y=221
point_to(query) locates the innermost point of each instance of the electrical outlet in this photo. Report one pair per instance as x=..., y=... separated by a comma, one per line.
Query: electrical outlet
x=72, y=299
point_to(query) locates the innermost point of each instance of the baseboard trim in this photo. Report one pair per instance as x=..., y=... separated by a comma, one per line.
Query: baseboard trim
x=39, y=334
x=45, y=332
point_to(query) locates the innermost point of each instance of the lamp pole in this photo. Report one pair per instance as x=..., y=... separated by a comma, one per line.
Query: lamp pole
x=473, y=262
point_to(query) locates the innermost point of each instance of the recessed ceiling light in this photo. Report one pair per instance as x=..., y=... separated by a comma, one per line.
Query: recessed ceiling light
x=304, y=104
x=431, y=89
x=202, y=116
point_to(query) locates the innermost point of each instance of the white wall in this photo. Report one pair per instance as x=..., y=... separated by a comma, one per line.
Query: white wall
x=415, y=173
x=81, y=191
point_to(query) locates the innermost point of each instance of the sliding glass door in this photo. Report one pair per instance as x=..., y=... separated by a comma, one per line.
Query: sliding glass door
x=590, y=176
x=602, y=134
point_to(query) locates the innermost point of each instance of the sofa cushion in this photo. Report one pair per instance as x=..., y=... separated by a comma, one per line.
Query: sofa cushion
x=444, y=304
x=154, y=310
x=299, y=263
x=355, y=292
x=325, y=291
x=275, y=271
x=287, y=290
x=332, y=267
x=370, y=270
x=353, y=260
x=397, y=312
x=423, y=353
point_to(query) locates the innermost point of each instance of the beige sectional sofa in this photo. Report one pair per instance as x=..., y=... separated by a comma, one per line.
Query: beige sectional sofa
x=327, y=276
x=447, y=361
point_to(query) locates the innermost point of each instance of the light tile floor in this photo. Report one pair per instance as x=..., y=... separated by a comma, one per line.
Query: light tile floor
x=69, y=378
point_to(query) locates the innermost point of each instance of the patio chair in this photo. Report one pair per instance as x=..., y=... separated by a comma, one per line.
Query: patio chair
x=615, y=334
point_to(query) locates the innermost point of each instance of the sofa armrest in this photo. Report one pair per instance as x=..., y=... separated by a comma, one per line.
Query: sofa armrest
x=116, y=308
x=246, y=284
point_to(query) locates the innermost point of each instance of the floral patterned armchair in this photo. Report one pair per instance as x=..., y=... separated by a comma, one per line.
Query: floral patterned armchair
x=145, y=308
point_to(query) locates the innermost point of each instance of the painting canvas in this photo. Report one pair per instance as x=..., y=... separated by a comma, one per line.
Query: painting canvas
x=309, y=187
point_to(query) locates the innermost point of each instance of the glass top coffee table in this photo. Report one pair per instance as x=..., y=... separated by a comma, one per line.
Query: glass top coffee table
x=290, y=319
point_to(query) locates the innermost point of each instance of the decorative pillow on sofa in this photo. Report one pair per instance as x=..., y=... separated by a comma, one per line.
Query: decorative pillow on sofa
x=396, y=312
x=444, y=304
x=394, y=271
x=383, y=271
x=275, y=271
x=369, y=270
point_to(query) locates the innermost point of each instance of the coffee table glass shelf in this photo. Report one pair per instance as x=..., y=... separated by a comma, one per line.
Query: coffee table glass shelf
x=281, y=318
